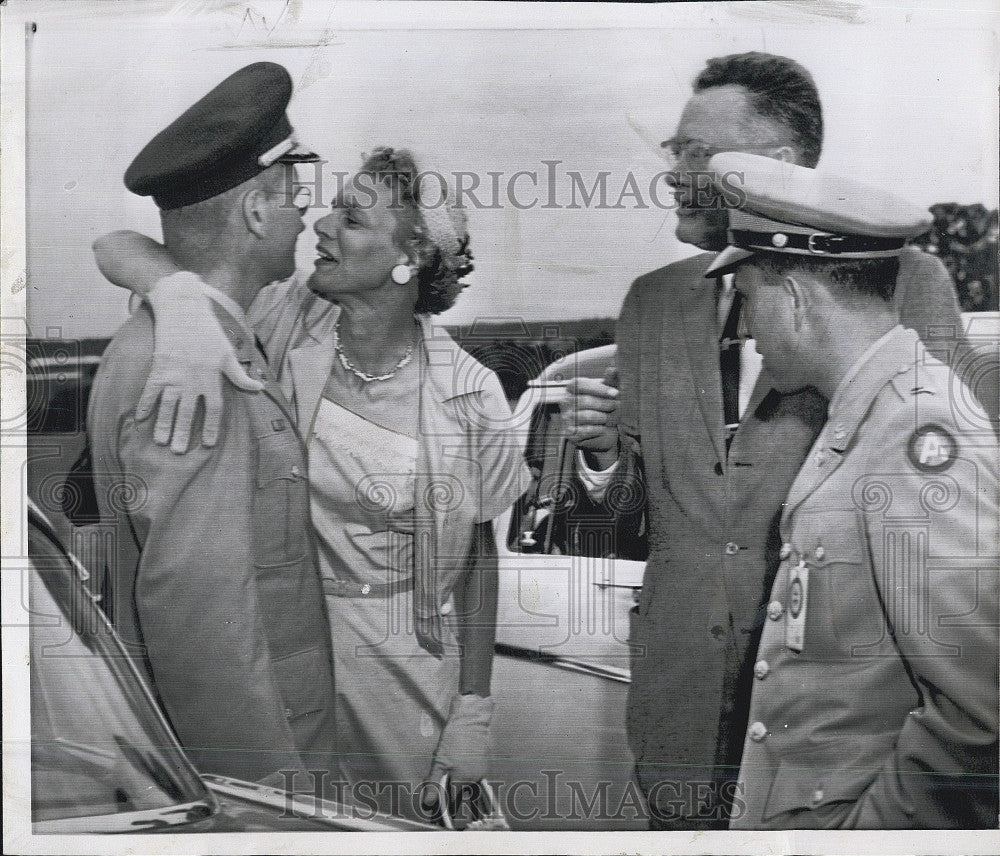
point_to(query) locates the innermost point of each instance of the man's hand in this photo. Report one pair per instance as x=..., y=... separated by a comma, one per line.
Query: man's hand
x=192, y=356
x=590, y=414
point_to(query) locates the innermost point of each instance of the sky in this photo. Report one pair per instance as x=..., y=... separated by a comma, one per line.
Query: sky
x=909, y=97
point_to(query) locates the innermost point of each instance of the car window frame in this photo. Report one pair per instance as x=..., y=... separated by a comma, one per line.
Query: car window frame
x=124, y=668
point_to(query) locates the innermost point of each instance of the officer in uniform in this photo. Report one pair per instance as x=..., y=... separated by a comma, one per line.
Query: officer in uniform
x=213, y=581
x=874, y=701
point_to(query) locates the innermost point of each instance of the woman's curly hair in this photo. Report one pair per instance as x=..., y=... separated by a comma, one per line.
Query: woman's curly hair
x=441, y=263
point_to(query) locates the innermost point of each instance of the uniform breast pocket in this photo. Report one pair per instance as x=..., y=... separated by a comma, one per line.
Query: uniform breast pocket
x=281, y=501
x=843, y=612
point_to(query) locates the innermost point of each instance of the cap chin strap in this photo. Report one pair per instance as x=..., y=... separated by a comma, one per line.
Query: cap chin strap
x=818, y=243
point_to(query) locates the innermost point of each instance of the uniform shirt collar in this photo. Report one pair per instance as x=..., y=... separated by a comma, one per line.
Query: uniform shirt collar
x=234, y=323
x=316, y=310
x=888, y=356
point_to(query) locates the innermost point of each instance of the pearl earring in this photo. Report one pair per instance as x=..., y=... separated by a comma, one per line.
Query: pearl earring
x=401, y=274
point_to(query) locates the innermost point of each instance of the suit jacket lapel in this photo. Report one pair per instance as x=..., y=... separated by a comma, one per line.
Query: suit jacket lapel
x=702, y=340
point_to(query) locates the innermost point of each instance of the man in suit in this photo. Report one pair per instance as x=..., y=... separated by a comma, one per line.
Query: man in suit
x=874, y=699
x=718, y=446
x=214, y=583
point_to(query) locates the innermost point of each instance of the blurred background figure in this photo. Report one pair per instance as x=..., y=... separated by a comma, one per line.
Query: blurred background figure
x=964, y=237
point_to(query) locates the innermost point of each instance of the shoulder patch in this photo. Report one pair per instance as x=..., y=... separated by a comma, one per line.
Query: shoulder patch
x=931, y=448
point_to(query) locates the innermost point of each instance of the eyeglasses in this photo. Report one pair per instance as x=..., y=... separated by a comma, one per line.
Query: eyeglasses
x=302, y=198
x=698, y=153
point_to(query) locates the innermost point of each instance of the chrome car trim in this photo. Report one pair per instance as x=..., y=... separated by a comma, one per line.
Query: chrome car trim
x=610, y=673
x=48, y=530
x=604, y=585
x=308, y=807
x=37, y=363
x=132, y=821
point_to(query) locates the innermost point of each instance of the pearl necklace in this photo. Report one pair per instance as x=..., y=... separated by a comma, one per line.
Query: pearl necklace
x=349, y=366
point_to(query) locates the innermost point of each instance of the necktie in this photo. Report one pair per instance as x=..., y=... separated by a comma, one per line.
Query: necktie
x=730, y=346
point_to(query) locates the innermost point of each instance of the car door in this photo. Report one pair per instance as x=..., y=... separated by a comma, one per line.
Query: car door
x=568, y=572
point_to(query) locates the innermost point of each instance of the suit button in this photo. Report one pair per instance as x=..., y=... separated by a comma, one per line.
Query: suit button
x=718, y=468
x=295, y=471
x=757, y=732
x=820, y=553
x=732, y=548
x=760, y=669
x=786, y=550
x=365, y=589
x=817, y=796
x=718, y=631
x=774, y=610
x=288, y=713
x=820, y=458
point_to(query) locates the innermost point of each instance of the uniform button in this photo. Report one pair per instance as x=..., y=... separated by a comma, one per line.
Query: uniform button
x=839, y=432
x=820, y=552
x=786, y=550
x=365, y=589
x=295, y=471
x=817, y=796
x=774, y=610
x=732, y=548
x=757, y=732
x=718, y=631
x=761, y=669
x=288, y=713
x=446, y=608
x=820, y=458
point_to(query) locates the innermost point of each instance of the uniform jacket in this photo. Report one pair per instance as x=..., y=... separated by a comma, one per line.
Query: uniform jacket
x=712, y=523
x=469, y=465
x=884, y=712
x=214, y=580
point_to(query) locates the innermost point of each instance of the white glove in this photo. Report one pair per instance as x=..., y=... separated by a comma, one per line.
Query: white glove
x=191, y=356
x=466, y=743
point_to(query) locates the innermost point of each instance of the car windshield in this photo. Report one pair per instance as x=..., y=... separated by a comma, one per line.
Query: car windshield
x=98, y=745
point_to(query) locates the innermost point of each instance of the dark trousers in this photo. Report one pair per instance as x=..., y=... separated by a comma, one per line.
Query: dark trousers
x=682, y=798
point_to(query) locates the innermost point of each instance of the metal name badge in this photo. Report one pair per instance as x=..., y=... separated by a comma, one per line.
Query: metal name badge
x=795, y=615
